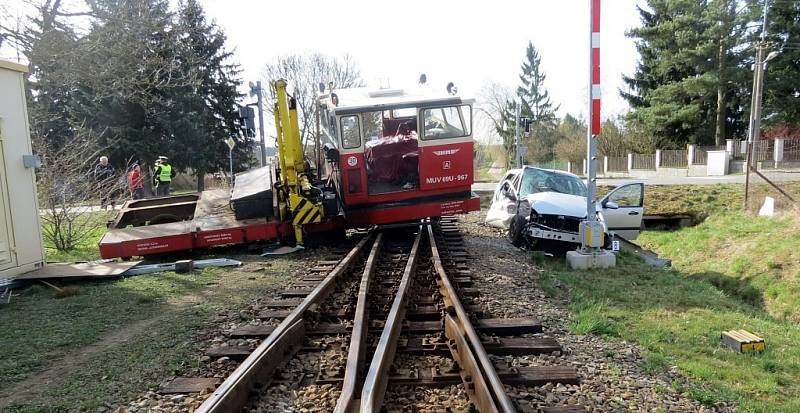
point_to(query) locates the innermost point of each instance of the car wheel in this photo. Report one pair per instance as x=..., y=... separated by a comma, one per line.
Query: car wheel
x=515, y=231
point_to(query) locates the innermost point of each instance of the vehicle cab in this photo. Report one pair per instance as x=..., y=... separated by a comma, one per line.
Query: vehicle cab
x=393, y=146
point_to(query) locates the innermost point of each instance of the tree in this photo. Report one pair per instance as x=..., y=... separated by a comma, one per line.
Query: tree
x=497, y=108
x=130, y=73
x=206, y=110
x=532, y=94
x=687, y=87
x=536, y=106
x=304, y=74
x=571, y=145
x=782, y=78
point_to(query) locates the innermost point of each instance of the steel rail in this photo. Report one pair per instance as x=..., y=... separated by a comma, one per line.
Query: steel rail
x=378, y=375
x=479, y=375
x=233, y=394
x=357, y=351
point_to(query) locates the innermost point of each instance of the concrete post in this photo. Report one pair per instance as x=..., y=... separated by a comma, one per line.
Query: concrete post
x=690, y=154
x=730, y=147
x=779, y=145
x=585, y=172
x=658, y=159
x=630, y=162
x=569, y=166
x=605, y=165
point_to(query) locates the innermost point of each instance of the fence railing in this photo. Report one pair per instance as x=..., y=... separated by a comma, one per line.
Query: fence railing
x=671, y=158
x=791, y=151
x=700, y=155
x=618, y=164
x=644, y=161
x=763, y=150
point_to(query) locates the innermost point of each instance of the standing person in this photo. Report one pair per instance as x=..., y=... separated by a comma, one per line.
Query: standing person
x=104, y=176
x=162, y=176
x=136, y=182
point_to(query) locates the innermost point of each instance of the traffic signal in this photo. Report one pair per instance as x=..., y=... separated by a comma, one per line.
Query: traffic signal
x=247, y=120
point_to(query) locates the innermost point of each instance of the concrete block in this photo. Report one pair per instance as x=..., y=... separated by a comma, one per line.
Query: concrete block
x=601, y=259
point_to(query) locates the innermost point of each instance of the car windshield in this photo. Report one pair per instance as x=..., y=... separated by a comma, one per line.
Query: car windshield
x=537, y=180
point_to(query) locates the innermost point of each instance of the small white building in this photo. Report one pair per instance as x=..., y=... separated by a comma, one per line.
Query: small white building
x=21, y=247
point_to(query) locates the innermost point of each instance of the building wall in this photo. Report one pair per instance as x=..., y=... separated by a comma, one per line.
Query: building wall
x=17, y=183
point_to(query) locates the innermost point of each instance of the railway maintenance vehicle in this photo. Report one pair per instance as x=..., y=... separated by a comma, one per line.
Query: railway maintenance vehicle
x=391, y=156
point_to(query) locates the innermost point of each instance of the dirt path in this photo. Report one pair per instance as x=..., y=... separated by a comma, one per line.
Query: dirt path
x=55, y=371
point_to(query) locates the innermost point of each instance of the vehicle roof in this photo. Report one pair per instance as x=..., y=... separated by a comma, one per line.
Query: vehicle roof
x=518, y=170
x=364, y=99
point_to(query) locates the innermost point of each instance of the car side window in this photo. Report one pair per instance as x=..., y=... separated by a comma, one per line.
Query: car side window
x=629, y=196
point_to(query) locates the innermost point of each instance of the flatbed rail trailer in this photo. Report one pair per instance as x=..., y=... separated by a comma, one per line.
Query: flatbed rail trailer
x=390, y=157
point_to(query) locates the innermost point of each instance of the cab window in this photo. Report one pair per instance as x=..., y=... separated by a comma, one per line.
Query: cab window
x=351, y=134
x=447, y=122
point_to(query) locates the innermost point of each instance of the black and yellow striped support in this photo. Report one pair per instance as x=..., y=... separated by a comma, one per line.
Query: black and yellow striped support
x=303, y=212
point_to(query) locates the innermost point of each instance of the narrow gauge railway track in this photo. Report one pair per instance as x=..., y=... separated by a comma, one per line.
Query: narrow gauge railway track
x=394, y=317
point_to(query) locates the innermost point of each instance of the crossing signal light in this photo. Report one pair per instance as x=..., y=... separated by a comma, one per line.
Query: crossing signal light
x=247, y=120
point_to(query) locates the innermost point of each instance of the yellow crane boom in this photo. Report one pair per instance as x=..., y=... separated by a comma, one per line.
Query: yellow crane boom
x=296, y=193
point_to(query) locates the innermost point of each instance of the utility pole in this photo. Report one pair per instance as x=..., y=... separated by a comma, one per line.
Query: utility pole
x=754, y=132
x=257, y=91
x=518, y=155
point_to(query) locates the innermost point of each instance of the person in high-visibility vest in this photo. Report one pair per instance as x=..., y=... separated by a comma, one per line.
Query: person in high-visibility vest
x=162, y=176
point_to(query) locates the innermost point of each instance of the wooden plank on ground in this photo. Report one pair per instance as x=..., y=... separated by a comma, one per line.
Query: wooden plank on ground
x=183, y=385
x=88, y=269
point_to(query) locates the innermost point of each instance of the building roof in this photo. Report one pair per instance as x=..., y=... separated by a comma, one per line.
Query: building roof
x=364, y=99
x=5, y=64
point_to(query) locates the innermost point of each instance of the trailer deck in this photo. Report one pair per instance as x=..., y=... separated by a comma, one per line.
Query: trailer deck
x=212, y=223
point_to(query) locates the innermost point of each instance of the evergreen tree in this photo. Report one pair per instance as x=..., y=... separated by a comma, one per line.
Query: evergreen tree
x=782, y=77
x=688, y=71
x=130, y=66
x=534, y=97
x=535, y=105
x=205, y=111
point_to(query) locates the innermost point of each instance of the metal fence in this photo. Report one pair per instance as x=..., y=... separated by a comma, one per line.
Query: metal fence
x=763, y=150
x=644, y=161
x=618, y=164
x=576, y=167
x=671, y=158
x=791, y=150
x=701, y=154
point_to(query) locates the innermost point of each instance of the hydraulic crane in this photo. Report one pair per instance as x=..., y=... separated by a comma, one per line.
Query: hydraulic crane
x=298, y=200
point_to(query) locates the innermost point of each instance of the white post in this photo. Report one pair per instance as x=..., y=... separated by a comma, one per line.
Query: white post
x=584, y=166
x=730, y=147
x=690, y=154
x=658, y=159
x=630, y=162
x=778, y=155
x=569, y=166
x=605, y=165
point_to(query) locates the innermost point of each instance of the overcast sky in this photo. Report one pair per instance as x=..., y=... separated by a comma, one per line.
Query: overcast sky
x=469, y=44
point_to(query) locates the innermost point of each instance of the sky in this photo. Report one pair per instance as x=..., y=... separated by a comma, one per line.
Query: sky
x=468, y=43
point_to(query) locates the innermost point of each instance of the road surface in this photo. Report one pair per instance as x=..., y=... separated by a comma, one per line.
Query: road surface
x=676, y=180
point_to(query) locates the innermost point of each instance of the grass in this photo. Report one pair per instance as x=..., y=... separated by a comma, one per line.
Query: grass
x=86, y=249
x=164, y=311
x=677, y=319
x=732, y=271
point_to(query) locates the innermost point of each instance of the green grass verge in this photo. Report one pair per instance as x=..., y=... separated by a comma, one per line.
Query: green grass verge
x=45, y=332
x=731, y=272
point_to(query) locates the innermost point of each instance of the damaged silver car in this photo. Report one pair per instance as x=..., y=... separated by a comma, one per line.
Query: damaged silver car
x=541, y=206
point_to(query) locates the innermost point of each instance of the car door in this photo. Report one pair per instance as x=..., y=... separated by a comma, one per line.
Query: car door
x=503, y=205
x=626, y=219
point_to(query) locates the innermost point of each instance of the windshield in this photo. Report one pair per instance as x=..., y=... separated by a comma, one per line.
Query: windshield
x=537, y=180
